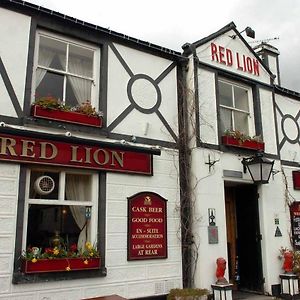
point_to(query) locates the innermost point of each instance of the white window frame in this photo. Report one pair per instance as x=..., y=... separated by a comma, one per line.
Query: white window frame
x=93, y=203
x=68, y=41
x=233, y=109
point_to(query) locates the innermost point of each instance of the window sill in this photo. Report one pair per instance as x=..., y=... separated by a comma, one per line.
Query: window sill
x=22, y=278
x=66, y=116
x=233, y=142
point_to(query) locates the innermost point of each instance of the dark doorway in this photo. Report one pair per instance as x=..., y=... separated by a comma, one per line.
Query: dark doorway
x=243, y=237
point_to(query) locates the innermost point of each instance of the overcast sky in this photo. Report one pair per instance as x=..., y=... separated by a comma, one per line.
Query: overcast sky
x=171, y=23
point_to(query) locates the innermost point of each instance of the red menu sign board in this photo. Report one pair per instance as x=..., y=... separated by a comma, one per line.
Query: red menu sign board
x=147, y=226
x=295, y=223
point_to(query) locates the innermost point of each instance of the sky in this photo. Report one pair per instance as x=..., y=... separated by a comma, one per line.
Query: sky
x=172, y=23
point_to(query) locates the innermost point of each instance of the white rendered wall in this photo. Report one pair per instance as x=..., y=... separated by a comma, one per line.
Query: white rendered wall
x=207, y=107
x=9, y=185
x=209, y=192
x=143, y=278
x=268, y=121
x=236, y=46
x=130, y=279
x=137, y=123
x=14, y=52
x=290, y=126
x=272, y=205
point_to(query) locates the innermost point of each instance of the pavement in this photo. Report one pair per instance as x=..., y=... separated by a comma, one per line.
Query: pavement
x=237, y=295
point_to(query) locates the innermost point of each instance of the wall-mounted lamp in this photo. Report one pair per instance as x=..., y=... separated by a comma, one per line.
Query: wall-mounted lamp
x=259, y=167
x=249, y=32
x=289, y=286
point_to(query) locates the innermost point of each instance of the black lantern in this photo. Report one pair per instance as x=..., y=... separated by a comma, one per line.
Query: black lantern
x=259, y=167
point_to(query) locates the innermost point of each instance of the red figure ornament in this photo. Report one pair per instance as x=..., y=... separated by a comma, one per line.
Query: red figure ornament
x=221, y=267
x=288, y=262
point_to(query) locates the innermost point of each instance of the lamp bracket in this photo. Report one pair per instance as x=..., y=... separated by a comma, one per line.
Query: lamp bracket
x=249, y=32
x=211, y=163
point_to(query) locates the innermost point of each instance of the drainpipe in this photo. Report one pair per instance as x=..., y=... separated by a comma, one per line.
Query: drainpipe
x=184, y=169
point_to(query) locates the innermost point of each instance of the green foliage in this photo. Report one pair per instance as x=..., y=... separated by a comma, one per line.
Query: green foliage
x=242, y=137
x=187, y=293
x=87, y=109
x=35, y=253
x=296, y=262
x=50, y=102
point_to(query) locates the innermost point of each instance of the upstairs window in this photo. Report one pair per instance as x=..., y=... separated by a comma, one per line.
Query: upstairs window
x=66, y=70
x=236, y=113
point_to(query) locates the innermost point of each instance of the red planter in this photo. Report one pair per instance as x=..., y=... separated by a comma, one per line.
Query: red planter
x=59, y=265
x=66, y=116
x=231, y=141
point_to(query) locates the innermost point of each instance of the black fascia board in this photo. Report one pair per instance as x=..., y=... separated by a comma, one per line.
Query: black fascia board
x=214, y=35
x=286, y=92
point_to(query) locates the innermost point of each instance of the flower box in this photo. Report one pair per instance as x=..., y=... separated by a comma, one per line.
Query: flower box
x=59, y=265
x=247, y=144
x=66, y=116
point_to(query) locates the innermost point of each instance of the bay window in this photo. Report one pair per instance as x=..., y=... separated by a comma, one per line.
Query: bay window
x=66, y=70
x=61, y=209
x=236, y=108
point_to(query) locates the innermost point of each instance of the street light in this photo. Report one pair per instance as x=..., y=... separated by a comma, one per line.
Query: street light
x=259, y=167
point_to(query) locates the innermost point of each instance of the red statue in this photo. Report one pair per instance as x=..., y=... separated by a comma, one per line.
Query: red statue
x=221, y=267
x=288, y=262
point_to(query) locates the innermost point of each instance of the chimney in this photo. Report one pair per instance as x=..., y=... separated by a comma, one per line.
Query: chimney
x=269, y=55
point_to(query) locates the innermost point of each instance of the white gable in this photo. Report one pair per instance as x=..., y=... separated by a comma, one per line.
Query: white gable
x=230, y=53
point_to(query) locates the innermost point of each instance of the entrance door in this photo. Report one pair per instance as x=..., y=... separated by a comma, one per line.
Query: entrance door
x=243, y=237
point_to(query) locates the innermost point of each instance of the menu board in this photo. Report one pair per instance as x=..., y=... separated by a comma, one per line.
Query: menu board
x=295, y=222
x=147, y=226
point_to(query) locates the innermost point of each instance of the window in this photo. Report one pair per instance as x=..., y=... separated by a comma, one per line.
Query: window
x=235, y=107
x=66, y=70
x=60, y=209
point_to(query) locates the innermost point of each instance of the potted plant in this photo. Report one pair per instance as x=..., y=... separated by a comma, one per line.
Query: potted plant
x=60, y=259
x=237, y=138
x=51, y=108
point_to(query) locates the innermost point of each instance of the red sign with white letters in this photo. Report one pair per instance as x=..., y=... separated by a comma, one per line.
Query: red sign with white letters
x=15, y=148
x=230, y=58
x=147, y=226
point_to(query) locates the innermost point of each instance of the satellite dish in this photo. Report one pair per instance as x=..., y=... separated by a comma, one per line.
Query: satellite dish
x=44, y=185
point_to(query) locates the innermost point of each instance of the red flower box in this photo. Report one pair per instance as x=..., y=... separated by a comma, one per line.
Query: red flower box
x=231, y=141
x=66, y=116
x=59, y=265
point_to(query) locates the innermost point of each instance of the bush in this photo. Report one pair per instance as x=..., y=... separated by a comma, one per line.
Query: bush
x=187, y=294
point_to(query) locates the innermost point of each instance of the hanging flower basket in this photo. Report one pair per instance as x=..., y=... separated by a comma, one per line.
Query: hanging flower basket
x=66, y=116
x=59, y=265
x=246, y=144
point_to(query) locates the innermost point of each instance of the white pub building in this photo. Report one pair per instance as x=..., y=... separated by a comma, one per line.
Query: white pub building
x=125, y=167
x=241, y=120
